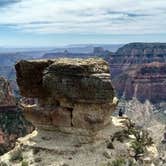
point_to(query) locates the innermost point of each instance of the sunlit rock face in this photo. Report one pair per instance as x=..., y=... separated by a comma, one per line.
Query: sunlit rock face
x=138, y=70
x=70, y=93
x=143, y=49
x=146, y=82
x=152, y=79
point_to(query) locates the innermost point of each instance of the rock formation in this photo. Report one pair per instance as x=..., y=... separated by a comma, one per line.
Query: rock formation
x=12, y=122
x=83, y=112
x=6, y=95
x=125, y=143
x=138, y=70
x=144, y=82
x=71, y=94
x=153, y=50
x=153, y=75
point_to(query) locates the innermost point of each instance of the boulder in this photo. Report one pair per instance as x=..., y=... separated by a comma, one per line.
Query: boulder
x=71, y=93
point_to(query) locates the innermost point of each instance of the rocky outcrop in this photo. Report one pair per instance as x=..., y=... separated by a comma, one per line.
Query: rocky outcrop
x=6, y=95
x=143, y=49
x=79, y=80
x=12, y=122
x=138, y=70
x=79, y=53
x=29, y=77
x=123, y=142
x=72, y=94
x=12, y=126
x=152, y=79
x=146, y=82
x=135, y=54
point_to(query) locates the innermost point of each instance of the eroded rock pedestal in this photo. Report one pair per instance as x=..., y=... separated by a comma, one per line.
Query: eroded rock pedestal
x=71, y=95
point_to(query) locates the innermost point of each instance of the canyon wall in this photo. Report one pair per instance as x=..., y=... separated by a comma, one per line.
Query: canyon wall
x=138, y=70
x=12, y=122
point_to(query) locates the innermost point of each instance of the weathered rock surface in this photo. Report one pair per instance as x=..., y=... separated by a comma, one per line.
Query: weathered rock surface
x=6, y=95
x=29, y=77
x=92, y=117
x=12, y=121
x=74, y=79
x=71, y=93
x=138, y=70
x=143, y=49
x=62, y=149
x=146, y=82
x=79, y=80
x=152, y=75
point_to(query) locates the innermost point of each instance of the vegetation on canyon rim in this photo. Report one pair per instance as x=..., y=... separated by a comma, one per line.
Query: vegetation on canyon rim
x=138, y=139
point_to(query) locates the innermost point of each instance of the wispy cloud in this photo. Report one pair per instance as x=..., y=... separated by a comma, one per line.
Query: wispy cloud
x=8, y=2
x=85, y=17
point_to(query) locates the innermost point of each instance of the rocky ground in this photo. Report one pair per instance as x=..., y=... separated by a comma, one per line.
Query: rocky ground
x=43, y=148
x=136, y=138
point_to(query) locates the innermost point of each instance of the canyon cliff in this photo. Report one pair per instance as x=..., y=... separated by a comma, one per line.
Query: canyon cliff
x=71, y=103
x=138, y=70
x=12, y=122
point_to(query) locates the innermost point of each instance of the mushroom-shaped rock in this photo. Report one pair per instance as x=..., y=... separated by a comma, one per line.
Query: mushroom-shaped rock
x=71, y=93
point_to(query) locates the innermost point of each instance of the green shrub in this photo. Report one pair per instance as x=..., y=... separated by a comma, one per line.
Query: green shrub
x=131, y=163
x=121, y=162
x=137, y=147
x=118, y=162
x=24, y=163
x=124, y=134
x=142, y=140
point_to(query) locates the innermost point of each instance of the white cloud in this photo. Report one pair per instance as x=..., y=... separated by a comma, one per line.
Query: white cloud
x=80, y=16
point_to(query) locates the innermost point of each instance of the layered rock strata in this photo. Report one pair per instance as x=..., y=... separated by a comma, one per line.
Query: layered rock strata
x=12, y=121
x=138, y=70
x=70, y=94
x=146, y=82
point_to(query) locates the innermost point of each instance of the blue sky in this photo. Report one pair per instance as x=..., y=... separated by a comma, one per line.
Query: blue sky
x=27, y=23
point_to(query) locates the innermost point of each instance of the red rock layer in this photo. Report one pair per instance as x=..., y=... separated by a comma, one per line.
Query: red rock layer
x=139, y=70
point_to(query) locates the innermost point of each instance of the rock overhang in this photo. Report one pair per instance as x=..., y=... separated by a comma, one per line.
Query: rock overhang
x=29, y=77
x=74, y=79
x=72, y=93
